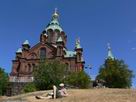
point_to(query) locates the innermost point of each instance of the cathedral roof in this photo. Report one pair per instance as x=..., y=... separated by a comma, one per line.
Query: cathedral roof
x=19, y=50
x=60, y=39
x=54, y=24
x=70, y=54
x=26, y=42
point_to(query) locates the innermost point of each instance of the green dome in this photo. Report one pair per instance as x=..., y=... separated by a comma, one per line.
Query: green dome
x=54, y=27
x=54, y=24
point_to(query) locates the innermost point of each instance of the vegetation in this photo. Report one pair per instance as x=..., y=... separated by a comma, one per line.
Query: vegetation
x=49, y=73
x=78, y=79
x=115, y=73
x=3, y=81
x=30, y=87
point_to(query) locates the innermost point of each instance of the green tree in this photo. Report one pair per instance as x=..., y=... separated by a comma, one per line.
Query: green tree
x=115, y=73
x=49, y=73
x=3, y=81
x=78, y=79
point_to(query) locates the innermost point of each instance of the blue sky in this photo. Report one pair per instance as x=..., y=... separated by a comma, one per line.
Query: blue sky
x=96, y=22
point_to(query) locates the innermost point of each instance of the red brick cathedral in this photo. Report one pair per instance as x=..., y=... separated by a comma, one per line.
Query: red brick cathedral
x=52, y=45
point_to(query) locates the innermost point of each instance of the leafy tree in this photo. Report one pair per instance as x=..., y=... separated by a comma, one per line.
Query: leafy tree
x=115, y=73
x=3, y=81
x=49, y=73
x=30, y=87
x=78, y=79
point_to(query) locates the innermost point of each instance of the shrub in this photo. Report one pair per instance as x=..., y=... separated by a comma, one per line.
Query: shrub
x=78, y=79
x=30, y=87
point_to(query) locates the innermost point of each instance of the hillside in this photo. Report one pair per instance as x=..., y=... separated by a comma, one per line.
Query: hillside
x=85, y=95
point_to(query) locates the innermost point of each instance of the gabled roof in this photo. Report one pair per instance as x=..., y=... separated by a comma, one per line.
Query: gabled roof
x=50, y=46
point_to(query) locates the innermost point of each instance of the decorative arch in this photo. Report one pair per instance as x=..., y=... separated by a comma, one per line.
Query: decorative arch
x=32, y=56
x=50, y=34
x=56, y=34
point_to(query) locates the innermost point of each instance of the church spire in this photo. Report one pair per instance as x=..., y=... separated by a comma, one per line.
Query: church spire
x=78, y=46
x=54, y=23
x=110, y=55
x=55, y=15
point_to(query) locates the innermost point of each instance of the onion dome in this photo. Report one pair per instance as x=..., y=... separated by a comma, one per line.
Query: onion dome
x=26, y=45
x=19, y=50
x=54, y=24
x=26, y=42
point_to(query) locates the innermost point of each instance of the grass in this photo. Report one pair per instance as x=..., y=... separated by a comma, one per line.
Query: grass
x=87, y=95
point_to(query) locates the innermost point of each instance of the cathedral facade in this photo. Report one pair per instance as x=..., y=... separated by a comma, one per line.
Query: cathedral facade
x=51, y=45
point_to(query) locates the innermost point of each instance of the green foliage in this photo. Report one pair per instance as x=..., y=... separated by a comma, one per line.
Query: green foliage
x=30, y=87
x=3, y=81
x=78, y=79
x=49, y=73
x=115, y=73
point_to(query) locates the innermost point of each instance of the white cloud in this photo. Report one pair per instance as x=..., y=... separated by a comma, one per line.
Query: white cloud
x=133, y=48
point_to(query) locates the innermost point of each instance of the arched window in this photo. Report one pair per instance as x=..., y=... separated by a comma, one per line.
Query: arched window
x=57, y=35
x=42, y=53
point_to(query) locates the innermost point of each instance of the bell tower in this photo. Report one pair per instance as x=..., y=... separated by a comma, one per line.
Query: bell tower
x=79, y=55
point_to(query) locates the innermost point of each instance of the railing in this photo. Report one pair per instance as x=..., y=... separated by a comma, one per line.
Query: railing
x=20, y=79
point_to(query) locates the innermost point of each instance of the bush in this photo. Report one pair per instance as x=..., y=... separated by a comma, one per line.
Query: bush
x=78, y=79
x=3, y=81
x=30, y=87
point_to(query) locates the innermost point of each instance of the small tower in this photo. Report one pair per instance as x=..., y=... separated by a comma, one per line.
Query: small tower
x=60, y=46
x=19, y=53
x=78, y=50
x=26, y=46
x=110, y=55
x=79, y=55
